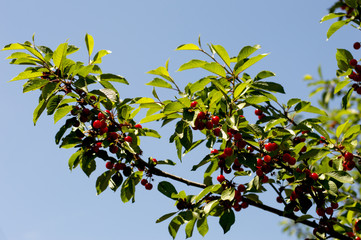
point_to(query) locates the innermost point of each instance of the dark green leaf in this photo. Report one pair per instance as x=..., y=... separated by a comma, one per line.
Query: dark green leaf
x=38, y=111
x=34, y=84
x=165, y=217
x=202, y=226
x=167, y=189
x=227, y=220
x=113, y=78
x=270, y=86
x=116, y=181
x=174, y=225
x=103, y=181
x=189, y=227
x=53, y=103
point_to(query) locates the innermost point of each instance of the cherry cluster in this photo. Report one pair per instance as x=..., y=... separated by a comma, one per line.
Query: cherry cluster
x=356, y=75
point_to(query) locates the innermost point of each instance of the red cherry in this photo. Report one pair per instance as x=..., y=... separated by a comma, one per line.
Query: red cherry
x=221, y=178
x=201, y=115
x=286, y=157
x=265, y=179
x=194, y=104
x=353, y=62
x=97, y=124
x=267, y=158
x=358, y=90
x=113, y=149
x=241, y=188
x=103, y=124
x=144, y=181
x=329, y=211
x=155, y=161
x=241, y=144
x=103, y=130
x=128, y=139
x=356, y=45
x=148, y=186
x=259, y=162
x=258, y=112
x=237, y=136
x=314, y=176
x=217, y=131
x=138, y=126
x=98, y=144
x=209, y=125
x=113, y=135
x=109, y=165
x=320, y=212
x=348, y=156
x=292, y=161
x=244, y=204
x=214, y=151
x=119, y=166
x=93, y=98
x=334, y=205
x=101, y=116
x=228, y=151
x=215, y=120
x=261, y=116
x=86, y=111
x=259, y=172
x=279, y=199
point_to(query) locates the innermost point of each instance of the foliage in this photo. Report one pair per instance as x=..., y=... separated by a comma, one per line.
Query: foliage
x=311, y=163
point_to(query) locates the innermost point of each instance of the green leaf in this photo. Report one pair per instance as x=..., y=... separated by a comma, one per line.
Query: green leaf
x=227, y=220
x=174, y=225
x=340, y=85
x=240, y=88
x=228, y=194
x=341, y=176
x=257, y=99
x=293, y=101
x=60, y=54
x=189, y=227
x=335, y=26
x=341, y=128
x=166, y=188
x=222, y=53
x=346, y=99
x=113, y=78
x=202, y=226
x=39, y=110
x=303, y=218
x=89, y=41
x=152, y=118
x=53, y=103
x=158, y=82
x=34, y=84
x=103, y=181
x=343, y=58
x=194, y=63
x=27, y=75
x=173, y=107
x=322, y=131
x=128, y=189
x=249, y=63
x=209, y=207
x=352, y=132
x=203, y=193
x=199, y=85
x=165, y=217
x=247, y=51
x=116, y=181
x=74, y=159
x=189, y=46
x=332, y=16
x=62, y=112
x=270, y=86
x=98, y=56
x=215, y=68
x=264, y=74
x=273, y=123
x=13, y=46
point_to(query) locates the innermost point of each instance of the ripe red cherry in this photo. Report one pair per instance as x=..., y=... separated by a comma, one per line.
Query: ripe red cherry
x=320, y=212
x=348, y=156
x=267, y=158
x=292, y=161
x=271, y=146
x=109, y=165
x=244, y=204
x=258, y=112
x=119, y=166
x=241, y=188
x=148, y=186
x=334, y=205
x=103, y=130
x=194, y=104
x=259, y=172
x=314, y=176
x=97, y=124
x=353, y=62
x=265, y=179
x=214, y=151
x=221, y=178
x=228, y=151
x=138, y=126
x=128, y=139
x=279, y=199
x=155, y=161
x=237, y=136
x=215, y=120
x=356, y=45
x=329, y=211
x=259, y=162
x=201, y=115
x=144, y=181
x=101, y=116
x=217, y=131
x=261, y=116
x=113, y=149
x=113, y=135
x=209, y=125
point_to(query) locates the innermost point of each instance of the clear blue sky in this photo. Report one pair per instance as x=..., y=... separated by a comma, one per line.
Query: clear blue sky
x=42, y=200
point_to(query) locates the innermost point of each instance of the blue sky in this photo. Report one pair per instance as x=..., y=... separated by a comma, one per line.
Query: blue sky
x=41, y=199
